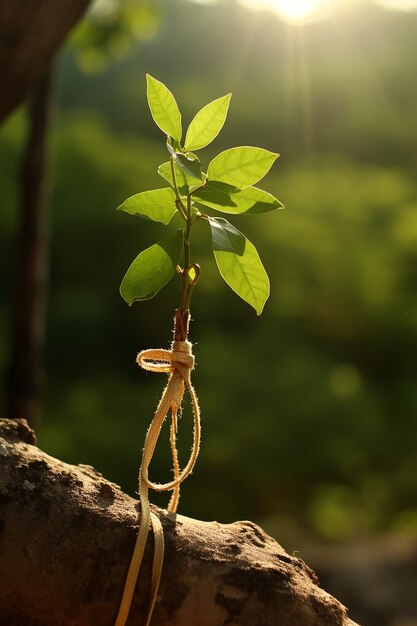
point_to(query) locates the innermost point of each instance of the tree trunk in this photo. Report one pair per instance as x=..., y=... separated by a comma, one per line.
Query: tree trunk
x=25, y=370
x=66, y=537
x=31, y=32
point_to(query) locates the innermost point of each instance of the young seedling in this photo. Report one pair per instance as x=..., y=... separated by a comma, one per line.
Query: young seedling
x=227, y=187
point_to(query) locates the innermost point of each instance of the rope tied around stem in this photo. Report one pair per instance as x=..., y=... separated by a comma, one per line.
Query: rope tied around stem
x=178, y=363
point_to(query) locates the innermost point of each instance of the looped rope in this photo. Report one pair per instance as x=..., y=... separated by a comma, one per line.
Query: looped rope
x=178, y=363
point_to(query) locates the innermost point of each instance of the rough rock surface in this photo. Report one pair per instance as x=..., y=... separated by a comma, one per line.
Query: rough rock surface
x=66, y=537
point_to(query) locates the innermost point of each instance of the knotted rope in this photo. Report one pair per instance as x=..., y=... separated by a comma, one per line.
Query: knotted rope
x=178, y=363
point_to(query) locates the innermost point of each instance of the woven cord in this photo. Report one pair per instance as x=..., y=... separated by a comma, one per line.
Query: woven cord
x=178, y=363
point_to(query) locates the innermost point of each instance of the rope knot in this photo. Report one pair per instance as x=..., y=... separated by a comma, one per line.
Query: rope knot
x=183, y=350
x=178, y=363
x=180, y=358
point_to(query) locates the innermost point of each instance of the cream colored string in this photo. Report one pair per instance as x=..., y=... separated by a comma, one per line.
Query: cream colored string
x=178, y=363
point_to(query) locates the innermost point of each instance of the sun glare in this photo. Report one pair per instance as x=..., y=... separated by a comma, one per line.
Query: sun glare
x=293, y=11
x=301, y=12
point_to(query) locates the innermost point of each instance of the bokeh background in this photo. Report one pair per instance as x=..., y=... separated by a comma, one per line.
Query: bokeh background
x=309, y=412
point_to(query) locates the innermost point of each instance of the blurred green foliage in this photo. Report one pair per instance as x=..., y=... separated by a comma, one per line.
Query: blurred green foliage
x=110, y=30
x=309, y=413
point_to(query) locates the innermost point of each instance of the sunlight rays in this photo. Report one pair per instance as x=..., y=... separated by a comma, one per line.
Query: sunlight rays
x=293, y=10
x=299, y=12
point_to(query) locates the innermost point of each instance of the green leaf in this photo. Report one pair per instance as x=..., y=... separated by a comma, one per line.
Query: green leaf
x=207, y=124
x=187, y=161
x=164, y=108
x=184, y=182
x=157, y=205
x=190, y=164
x=173, y=145
x=152, y=268
x=250, y=201
x=164, y=170
x=241, y=167
x=239, y=263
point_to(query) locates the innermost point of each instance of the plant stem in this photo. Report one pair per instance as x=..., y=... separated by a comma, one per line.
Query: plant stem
x=187, y=234
x=179, y=203
x=187, y=282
